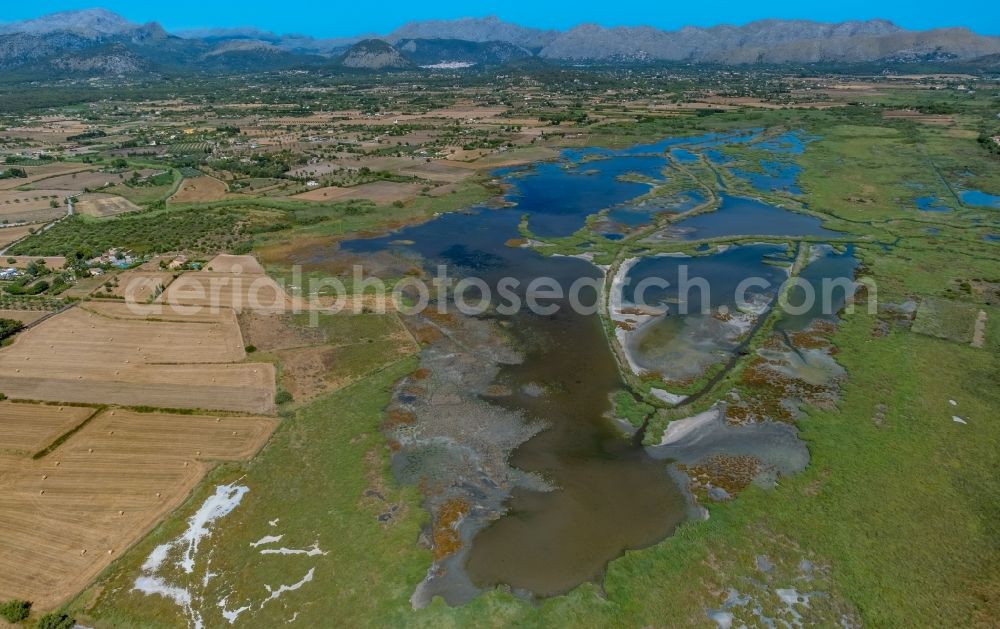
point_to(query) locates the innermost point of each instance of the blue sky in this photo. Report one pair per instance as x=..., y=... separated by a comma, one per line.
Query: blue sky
x=333, y=18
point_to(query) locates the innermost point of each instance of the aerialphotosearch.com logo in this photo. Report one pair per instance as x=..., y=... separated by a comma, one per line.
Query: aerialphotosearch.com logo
x=198, y=292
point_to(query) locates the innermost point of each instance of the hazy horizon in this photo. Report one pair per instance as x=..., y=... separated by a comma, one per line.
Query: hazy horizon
x=329, y=21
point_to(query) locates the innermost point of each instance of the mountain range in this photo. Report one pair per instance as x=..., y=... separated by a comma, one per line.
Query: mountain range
x=99, y=42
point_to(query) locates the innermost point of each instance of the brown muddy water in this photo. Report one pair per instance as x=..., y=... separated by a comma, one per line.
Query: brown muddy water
x=611, y=495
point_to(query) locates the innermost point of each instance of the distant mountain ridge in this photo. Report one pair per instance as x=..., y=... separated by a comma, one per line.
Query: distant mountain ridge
x=86, y=23
x=97, y=41
x=486, y=29
x=374, y=54
x=771, y=41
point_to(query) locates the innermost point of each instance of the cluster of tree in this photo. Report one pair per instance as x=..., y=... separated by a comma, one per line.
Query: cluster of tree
x=30, y=284
x=93, y=134
x=555, y=119
x=56, y=620
x=262, y=165
x=938, y=108
x=988, y=141
x=21, y=160
x=13, y=173
x=27, y=286
x=161, y=179
x=13, y=611
x=8, y=328
x=142, y=233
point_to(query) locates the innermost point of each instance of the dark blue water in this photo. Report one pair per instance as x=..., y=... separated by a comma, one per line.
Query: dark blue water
x=828, y=297
x=683, y=156
x=717, y=157
x=560, y=199
x=650, y=166
x=722, y=272
x=742, y=216
x=471, y=242
x=778, y=176
x=559, y=196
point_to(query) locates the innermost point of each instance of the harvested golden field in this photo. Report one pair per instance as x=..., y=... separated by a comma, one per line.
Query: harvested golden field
x=110, y=354
x=29, y=428
x=200, y=190
x=83, y=287
x=378, y=192
x=39, y=173
x=125, y=332
x=237, y=291
x=21, y=262
x=9, y=235
x=158, y=312
x=78, y=182
x=514, y=157
x=437, y=170
x=67, y=515
x=34, y=206
x=90, y=180
x=225, y=263
x=24, y=316
x=101, y=205
x=135, y=287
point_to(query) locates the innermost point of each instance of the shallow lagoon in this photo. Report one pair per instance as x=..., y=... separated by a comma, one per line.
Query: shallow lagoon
x=740, y=216
x=559, y=199
x=610, y=494
x=644, y=212
x=826, y=265
x=690, y=337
